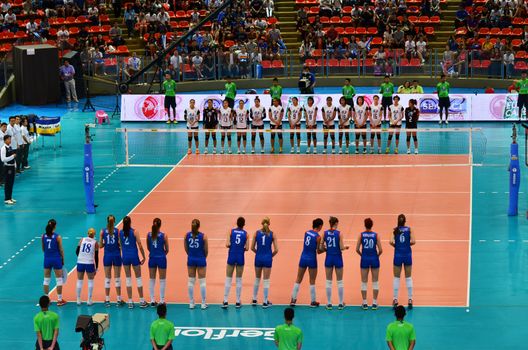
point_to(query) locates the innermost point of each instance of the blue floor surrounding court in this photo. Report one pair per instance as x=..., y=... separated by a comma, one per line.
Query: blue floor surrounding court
x=53, y=188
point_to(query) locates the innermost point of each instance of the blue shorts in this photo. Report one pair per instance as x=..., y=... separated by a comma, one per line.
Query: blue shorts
x=112, y=260
x=159, y=262
x=131, y=260
x=263, y=261
x=308, y=262
x=370, y=262
x=53, y=263
x=86, y=268
x=196, y=261
x=235, y=259
x=334, y=261
x=405, y=260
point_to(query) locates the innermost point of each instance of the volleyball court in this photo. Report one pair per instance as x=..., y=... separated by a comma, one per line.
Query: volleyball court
x=433, y=190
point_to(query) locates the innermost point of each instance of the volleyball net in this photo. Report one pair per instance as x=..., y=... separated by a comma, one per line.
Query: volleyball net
x=164, y=147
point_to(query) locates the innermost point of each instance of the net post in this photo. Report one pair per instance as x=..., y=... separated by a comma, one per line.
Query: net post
x=515, y=174
x=88, y=172
x=471, y=146
x=126, y=148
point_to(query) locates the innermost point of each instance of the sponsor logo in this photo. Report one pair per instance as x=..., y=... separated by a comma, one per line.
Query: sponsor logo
x=147, y=107
x=222, y=333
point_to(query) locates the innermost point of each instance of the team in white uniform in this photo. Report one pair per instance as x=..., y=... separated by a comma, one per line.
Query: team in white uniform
x=328, y=113
x=241, y=120
x=361, y=114
x=294, y=114
x=396, y=114
x=310, y=114
x=276, y=113
x=257, y=114
x=87, y=261
x=375, y=123
x=345, y=114
x=192, y=117
x=226, y=123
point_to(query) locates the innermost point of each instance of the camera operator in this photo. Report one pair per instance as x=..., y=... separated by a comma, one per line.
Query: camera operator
x=306, y=81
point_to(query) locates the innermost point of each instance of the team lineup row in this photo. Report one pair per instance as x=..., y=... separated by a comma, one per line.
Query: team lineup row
x=123, y=247
x=347, y=113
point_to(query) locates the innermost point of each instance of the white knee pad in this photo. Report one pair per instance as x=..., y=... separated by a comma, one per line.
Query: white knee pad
x=60, y=281
x=118, y=282
x=328, y=284
x=47, y=281
x=139, y=282
x=375, y=285
x=340, y=284
x=129, y=282
x=266, y=283
x=191, y=281
x=364, y=286
x=107, y=283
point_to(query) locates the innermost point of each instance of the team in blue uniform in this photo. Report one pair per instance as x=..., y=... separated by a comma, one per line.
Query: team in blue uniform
x=402, y=241
x=53, y=259
x=311, y=247
x=196, y=247
x=237, y=242
x=263, y=240
x=158, y=247
x=369, y=248
x=109, y=240
x=333, y=244
x=130, y=242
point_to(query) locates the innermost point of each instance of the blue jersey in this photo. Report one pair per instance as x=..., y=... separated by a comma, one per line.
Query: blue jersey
x=156, y=246
x=264, y=244
x=195, y=245
x=310, y=244
x=51, y=246
x=128, y=244
x=111, y=243
x=237, y=239
x=369, y=241
x=331, y=239
x=402, y=241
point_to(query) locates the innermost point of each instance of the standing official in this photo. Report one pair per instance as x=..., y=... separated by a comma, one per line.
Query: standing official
x=348, y=93
x=3, y=129
x=442, y=89
x=162, y=330
x=287, y=336
x=46, y=325
x=67, y=74
x=230, y=92
x=276, y=90
x=169, y=86
x=522, y=99
x=7, y=156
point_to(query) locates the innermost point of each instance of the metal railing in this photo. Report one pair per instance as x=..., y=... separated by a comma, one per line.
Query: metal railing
x=6, y=69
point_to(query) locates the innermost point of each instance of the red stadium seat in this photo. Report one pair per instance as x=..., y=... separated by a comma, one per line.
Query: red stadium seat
x=483, y=31
x=520, y=65
x=272, y=20
x=429, y=30
x=266, y=64
x=69, y=20
x=495, y=31
x=369, y=62
x=404, y=62
x=506, y=32
x=340, y=30
x=434, y=19
x=516, y=43
x=325, y=20
x=361, y=30
x=104, y=19
x=518, y=21
x=346, y=19
x=277, y=64
x=310, y=63
x=317, y=53
x=517, y=32
x=73, y=31
x=183, y=24
x=314, y=10
x=333, y=62
x=335, y=19
x=181, y=14
x=377, y=41
x=415, y=62
x=321, y=62
x=344, y=62
x=350, y=31
x=413, y=19
x=520, y=55
x=475, y=64
x=228, y=43
x=485, y=64
x=423, y=19
x=372, y=30
x=122, y=50
x=461, y=31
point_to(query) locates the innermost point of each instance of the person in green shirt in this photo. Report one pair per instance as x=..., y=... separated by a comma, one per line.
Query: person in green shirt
x=287, y=336
x=276, y=90
x=522, y=99
x=416, y=88
x=169, y=87
x=46, y=324
x=386, y=91
x=442, y=89
x=400, y=334
x=405, y=88
x=230, y=92
x=349, y=92
x=162, y=330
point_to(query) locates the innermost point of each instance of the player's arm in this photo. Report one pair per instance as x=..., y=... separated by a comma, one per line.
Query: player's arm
x=185, y=114
x=254, y=243
x=281, y=115
x=96, y=255
x=228, y=240
x=417, y=114
x=166, y=244
x=413, y=241
x=154, y=346
x=358, y=245
x=78, y=248
x=198, y=116
x=400, y=118
x=140, y=246
x=390, y=115
x=322, y=246
x=42, y=244
x=412, y=344
x=206, y=245
x=275, y=245
x=342, y=245
x=391, y=347
x=185, y=244
x=322, y=114
x=334, y=114
x=101, y=239
x=378, y=244
x=392, y=242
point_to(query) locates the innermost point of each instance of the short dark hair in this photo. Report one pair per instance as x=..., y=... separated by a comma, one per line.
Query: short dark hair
x=317, y=222
x=347, y=79
x=368, y=223
x=415, y=81
x=162, y=310
x=7, y=137
x=44, y=300
x=400, y=312
x=396, y=97
x=3, y=124
x=12, y=117
x=442, y=76
x=289, y=314
x=275, y=79
x=241, y=222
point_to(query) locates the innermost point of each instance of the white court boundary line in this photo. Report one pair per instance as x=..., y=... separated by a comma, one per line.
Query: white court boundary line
x=301, y=214
x=308, y=191
x=470, y=234
x=134, y=208
x=356, y=166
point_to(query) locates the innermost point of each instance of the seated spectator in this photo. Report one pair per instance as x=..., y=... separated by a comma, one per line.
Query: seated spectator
x=331, y=34
x=243, y=61
x=10, y=21
x=44, y=27
x=62, y=38
x=98, y=60
x=487, y=48
x=133, y=64
x=399, y=38
x=380, y=56
x=257, y=9
x=421, y=48
x=115, y=31
x=388, y=40
x=301, y=18
x=410, y=47
x=31, y=27
x=494, y=68
x=461, y=17
x=405, y=88
x=118, y=41
x=325, y=8
x=489, y=90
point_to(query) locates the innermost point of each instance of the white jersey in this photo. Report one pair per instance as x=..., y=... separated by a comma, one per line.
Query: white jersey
x=344, y=112
x=87, y=251
x=375, y=115
x=361, y=114
x=295, y=114
x=328, y=115
x=257, y=115
x=192, y=116
x=225, y=117
x=241, y=116
x=311, y=115
x=275, y=115
x=396, y=115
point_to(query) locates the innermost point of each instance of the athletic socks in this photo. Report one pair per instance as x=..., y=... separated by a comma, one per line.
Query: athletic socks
x=238, y=289
x=152, y=283
x=227, y=288
x=396, y=286
x=265, y=289
x=340, y=291
x=329, y=291
x=312, y=293
x=409, y=284
x=256, y=286
x=295, y=290
x=163, y=284
x=79, y=289
x=90, y=289
x=190, y=289
x=202, y=289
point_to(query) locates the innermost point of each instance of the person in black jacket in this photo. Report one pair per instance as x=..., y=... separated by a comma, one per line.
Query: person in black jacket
x=210, y=122
x=411, y=123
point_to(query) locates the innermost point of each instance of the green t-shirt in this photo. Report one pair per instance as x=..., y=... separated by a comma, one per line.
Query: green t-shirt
x=417, y=89
x=443, y=89
x=400, y=334
x=161, y=331
x=387, y=89
x=348, y=91
x=230, y=90
x=522, y=85
x=288, y=336
x=169, y=86
x=276, y=91
x=403, y=90
x=46, y=322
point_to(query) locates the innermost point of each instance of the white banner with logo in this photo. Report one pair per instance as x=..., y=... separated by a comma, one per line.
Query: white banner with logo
x=464, y=107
